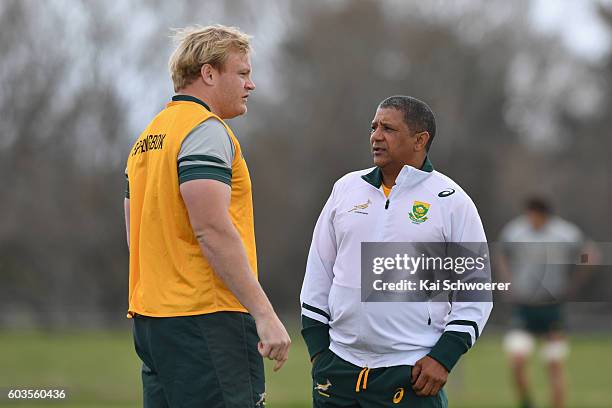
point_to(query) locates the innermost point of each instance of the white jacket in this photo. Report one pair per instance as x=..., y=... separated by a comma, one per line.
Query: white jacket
x=388, y=334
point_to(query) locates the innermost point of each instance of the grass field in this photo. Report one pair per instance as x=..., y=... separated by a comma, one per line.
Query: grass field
x=100, y=369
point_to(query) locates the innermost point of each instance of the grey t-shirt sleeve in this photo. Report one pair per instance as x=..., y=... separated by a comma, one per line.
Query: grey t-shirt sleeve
x=206, y=153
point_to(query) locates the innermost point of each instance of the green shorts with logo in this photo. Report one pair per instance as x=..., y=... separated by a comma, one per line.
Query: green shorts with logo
x=340, y=384
x=199, y=361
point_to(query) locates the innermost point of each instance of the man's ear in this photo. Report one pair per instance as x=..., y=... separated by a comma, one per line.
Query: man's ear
x=421, y=141
x=208, y=74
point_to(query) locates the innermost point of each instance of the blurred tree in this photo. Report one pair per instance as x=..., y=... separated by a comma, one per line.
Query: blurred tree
x=61, y=245
x=79, y=80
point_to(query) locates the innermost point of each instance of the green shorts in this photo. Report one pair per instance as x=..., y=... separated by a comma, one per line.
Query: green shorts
x=207, y=360
x=340, y=384
x=539, y=319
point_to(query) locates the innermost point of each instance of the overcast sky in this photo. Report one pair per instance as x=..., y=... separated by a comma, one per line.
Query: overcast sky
x=577, y=22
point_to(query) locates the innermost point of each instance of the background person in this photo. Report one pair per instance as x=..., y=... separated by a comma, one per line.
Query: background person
x=541, y=250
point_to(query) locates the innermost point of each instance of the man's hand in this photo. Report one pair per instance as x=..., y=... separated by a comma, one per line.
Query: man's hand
x=428, y=377
x=274, y=340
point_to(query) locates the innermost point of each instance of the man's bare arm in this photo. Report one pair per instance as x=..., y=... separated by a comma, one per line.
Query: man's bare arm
x=207, y=203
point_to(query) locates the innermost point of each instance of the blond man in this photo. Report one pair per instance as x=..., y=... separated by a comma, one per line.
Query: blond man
x=202, y=322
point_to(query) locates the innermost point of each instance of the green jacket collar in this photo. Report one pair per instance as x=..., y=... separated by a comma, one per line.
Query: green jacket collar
x=189, y=98
x=375, y=176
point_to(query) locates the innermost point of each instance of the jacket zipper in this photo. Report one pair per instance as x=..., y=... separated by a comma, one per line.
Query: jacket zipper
x=388, y=202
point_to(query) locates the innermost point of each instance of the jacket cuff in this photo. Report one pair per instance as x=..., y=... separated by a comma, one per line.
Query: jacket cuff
x=450, y=347
x=316, y=335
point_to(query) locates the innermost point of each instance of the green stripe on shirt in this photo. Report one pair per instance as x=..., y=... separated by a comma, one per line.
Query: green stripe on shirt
x=203, y=172
x=201, y=157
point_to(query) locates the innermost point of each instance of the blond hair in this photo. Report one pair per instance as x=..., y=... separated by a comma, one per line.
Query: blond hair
x=203, y=45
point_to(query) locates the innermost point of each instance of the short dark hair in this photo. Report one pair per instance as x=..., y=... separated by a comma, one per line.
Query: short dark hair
x=539, y=205
x=417, y=114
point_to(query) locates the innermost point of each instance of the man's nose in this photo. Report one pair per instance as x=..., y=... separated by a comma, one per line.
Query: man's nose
x=250, y=85
x=376, y=135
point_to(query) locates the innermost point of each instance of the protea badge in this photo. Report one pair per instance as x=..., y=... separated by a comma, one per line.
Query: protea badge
x=419, y=212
